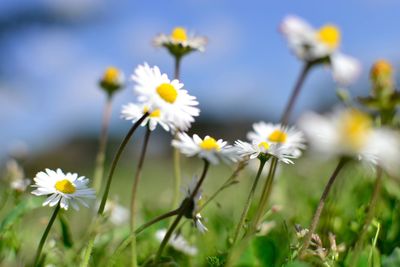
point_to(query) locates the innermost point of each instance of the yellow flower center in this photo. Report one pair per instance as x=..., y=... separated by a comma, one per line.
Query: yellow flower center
x=155, y=114
x=355, y=128
x=65, y=186
x=111, y=75
x=381, y=68
x=179, y=34
x=264, y=145
x=329, y=35
x=167, y=92
x=209, y=143
x=277, y=136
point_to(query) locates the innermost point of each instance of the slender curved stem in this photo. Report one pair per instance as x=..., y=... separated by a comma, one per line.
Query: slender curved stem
x=274, y=162
x=236, y=251
x=157, y=219
x=295, y=93
x=132, y=236
x=318, y=211
x=182, y=211
x=134, y=193
x=370, y=215
x=45, y=234
x=100, y=158
x=248, y=202
x=176, y=153
x=116, y=160
x=177, y=69
x=177, y=177
x=266, y=192
x=87, y=253
x=228, y=182
x=89, y=247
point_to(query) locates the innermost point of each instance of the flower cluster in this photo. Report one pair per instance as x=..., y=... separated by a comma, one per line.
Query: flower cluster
x=347, y=133
x=167, y=103
x=284, y=143
x=207, y=148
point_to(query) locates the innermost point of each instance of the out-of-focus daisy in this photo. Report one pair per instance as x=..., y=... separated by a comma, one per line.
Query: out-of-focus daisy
x=134, y=112
x=119, y=215
x=208, y=148
x=320, y=45
x=15, y=176
x=193, y=213
x=281, y=142
x=178, y=242
x=350, y=133
x=112, y=80
x=63, y=188
x=157, y=90
x=179, y=42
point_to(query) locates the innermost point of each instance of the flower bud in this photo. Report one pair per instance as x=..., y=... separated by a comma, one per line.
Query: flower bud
x=112, y=80
x=382, y=79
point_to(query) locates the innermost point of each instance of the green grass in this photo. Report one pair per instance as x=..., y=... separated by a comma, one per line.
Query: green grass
x=296, y=192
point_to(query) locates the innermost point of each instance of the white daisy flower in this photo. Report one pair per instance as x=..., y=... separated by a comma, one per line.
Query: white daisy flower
x=312, y=45
x=63, y=188
x=155, y=89
x=134, y=112
x=208, y=148
x=178, y=242
x=350, y=133
x=180, y=42
x=282, y=142
x=253, y=150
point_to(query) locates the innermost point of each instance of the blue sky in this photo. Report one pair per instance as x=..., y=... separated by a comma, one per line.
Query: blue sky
x=48, y=83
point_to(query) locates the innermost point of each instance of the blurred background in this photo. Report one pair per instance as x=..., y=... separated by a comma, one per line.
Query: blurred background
x=53, y=53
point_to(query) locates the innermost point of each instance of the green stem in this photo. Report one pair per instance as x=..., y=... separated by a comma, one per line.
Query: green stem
x=182, y=210
x=274, y=162
x=236, y=251
x=370, y=215
x=230, y=181
x=373, y=247
x=177, y=155
x=89, y=247
x=134, y=193
x=99, y=167
x=177, y=69
x=157, y=219
x=318, y=211
x=295, y=93
x=115, y=162
x=88, y=252
x=266, y=192
x=45, y=234
x=248, y=202
x=132, y=236
x=177, y=177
